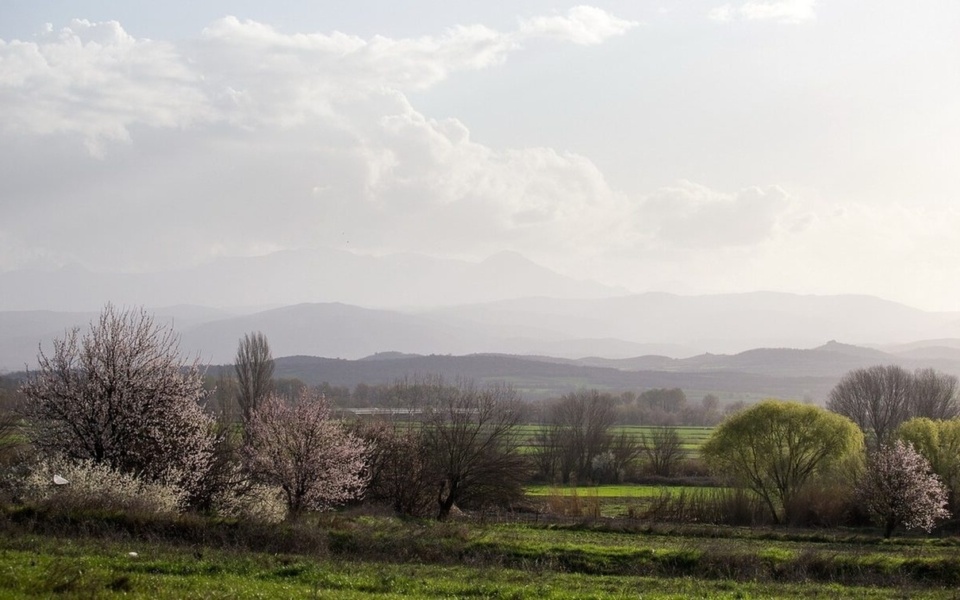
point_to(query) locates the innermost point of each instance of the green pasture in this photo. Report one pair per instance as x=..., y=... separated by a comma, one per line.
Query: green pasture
x=604, y=500
x=386, y=558
x=608, y=491
x=691, y=437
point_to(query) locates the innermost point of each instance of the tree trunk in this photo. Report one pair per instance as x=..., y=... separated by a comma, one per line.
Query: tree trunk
x=888, y=528
x=446, y=498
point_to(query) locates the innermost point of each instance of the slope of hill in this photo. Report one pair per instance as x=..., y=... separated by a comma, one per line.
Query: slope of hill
x=536, y=378
x=294, y=277
x=725, y=323
x=656, y=332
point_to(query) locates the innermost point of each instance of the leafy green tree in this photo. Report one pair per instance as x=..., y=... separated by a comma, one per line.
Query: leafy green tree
x=939, y=443
x=773, y=448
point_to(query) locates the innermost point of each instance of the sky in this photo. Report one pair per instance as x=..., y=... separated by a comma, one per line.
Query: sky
x=694, y=147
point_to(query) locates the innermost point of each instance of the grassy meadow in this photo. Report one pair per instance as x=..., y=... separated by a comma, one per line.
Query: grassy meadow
x=365, y=556
x=691, y=437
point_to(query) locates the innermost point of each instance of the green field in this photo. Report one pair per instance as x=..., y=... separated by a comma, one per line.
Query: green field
x=691, y=437
x=608, y=491
x=379, y=557
x=604, y=500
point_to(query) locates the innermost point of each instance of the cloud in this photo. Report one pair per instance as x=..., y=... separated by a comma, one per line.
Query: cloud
x=781, y=11
x=582, y=25
x=95, y=80
x=692, y=215
x=248, y=139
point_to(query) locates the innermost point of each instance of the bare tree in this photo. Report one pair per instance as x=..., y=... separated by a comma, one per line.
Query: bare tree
x=624, y=450
x=305, y=452
x=254, y=368
x=398, y=469
x=876, y=399
x=120, y=395
x=472, y=447
x=880, y=398
x=582, y=422
x=663, y=449
x=548, y=451
x=933, y=395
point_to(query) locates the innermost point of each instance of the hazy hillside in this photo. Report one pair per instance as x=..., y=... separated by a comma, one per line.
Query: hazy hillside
x=719, y=323
x=295, y=277
x=332, y=330
x=536, y=378
x=652, y=331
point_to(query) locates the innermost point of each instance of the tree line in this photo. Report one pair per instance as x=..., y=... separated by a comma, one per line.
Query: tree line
x=119, y=404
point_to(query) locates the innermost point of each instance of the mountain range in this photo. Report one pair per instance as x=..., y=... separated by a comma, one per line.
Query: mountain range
x=433, y=311
x=243, y=284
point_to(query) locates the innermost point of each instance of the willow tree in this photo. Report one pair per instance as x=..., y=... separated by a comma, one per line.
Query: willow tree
x=939, y=443
x=774, y=448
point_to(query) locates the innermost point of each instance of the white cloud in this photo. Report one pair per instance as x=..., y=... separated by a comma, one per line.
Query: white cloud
x=95, y=80
x=691, y=215
x=782, y=11
x=582, y=25
x=723, y=13
x=248, y=138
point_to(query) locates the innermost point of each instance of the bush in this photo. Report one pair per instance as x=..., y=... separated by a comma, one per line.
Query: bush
x=261, y=503
x=92, y=486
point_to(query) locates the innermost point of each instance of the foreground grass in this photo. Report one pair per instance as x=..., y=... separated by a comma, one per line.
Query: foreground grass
x=41, y=567
x=620, y=500
x=626, y=491
x=45, y=554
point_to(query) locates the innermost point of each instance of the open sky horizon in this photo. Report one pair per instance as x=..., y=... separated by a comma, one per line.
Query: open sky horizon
x=697, y=147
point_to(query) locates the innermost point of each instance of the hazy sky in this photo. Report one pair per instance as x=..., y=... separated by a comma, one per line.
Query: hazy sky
x=696, y=146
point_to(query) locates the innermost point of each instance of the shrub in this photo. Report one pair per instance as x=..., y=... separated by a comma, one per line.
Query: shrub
x=93, y=486
x=262, y=503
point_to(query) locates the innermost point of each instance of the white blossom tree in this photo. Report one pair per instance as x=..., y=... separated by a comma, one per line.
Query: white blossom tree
x=120, y=395
x=899, y=488
x=303, y=450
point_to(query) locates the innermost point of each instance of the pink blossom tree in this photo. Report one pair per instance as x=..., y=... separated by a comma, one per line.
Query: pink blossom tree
x=899, y=488
x=120, y=395
x=304, y=451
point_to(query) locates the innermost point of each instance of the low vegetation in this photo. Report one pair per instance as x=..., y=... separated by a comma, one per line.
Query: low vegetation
x=344, y=556
x=121, y=473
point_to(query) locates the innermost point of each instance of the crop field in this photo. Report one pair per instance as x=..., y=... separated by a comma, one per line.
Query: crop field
x=366, y=557
x=691, y=437
x=606, y=491
x=614, y=501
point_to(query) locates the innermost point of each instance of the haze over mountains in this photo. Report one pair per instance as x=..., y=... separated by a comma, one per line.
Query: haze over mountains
x=340, y=305
x=294, y=277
